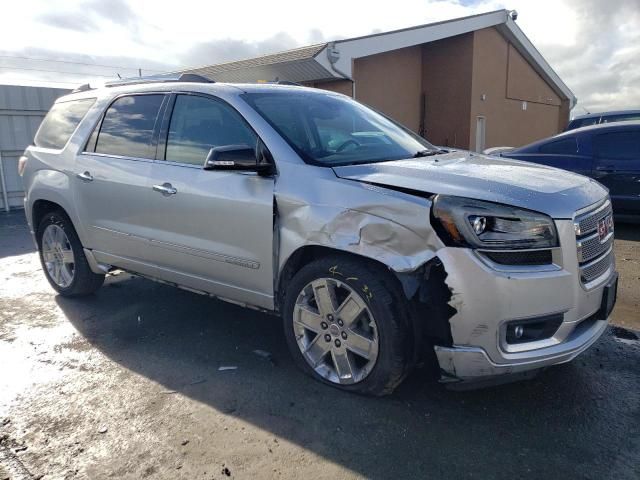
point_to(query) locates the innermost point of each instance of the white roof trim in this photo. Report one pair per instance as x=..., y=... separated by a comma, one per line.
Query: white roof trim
x=384, y=42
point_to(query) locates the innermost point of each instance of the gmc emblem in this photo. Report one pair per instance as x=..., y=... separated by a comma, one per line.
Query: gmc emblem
x=605, y=227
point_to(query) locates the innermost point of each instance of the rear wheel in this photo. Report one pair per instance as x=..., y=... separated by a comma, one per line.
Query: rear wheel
x=62, y=257
x=344, y=324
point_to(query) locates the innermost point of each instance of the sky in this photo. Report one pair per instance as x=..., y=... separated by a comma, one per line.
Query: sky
x=594, y=45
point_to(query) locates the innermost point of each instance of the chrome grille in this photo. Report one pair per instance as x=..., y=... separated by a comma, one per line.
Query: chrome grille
x=588, y=222
x=593, y=270
x=591, y=247
x=595, y=257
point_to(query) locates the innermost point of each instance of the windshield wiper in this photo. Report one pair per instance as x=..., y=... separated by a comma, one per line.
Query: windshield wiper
x=428, y=153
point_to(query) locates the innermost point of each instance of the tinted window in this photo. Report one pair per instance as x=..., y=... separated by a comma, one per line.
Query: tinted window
x=583, y=122
x=561, y=147
x=621, y=117
x=198, y=124
x=333, y=130
x=61, y=122
x=618, y=145
x=127, y=128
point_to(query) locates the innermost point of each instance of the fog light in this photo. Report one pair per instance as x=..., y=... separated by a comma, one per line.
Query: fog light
x=533, y=329
x=479, y=224
x=518, y=331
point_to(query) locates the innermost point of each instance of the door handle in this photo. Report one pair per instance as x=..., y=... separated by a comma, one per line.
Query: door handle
x=85, y=177
x=165, y=189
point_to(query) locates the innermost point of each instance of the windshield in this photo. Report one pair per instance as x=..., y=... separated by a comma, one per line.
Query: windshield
x=329, y=130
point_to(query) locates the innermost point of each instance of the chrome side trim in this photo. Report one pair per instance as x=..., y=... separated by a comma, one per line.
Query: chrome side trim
x=219, y=257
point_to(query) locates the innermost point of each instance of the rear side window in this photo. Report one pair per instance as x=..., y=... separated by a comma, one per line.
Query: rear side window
x=566, y=146
x=198, y=124
x=128, y=127
x=61, y=121
x=618, y=145
x=621, y=118
x=583, y=122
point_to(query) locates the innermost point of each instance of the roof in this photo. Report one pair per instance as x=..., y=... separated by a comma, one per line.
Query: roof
x=334, y=60
x=295, y=65
x=631, y=125
x=606, y=114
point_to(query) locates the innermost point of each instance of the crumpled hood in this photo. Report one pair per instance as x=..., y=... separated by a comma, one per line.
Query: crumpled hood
x=556, y=192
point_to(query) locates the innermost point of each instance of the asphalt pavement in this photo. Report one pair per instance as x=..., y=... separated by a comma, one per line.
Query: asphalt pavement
x=142, y=380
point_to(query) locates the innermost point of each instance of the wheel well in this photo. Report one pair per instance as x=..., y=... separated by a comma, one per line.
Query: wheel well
x=425, y=289
x=306, y=255
x=40, y=209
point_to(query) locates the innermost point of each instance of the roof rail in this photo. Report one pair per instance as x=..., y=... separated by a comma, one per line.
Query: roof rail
x=289, y=82
x=82, y=88
x=166, y=77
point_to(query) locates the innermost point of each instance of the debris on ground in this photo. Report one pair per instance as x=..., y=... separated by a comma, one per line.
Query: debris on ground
x=184, y=442
x=226, y=471
x=227, y=367
x=266, y=355
x=103, y=429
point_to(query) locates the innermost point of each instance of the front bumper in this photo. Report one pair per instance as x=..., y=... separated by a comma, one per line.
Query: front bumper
x=460, y=363
x=487, y=297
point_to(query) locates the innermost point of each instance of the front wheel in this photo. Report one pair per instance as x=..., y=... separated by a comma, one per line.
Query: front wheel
x=345, y=325
x=62, y=257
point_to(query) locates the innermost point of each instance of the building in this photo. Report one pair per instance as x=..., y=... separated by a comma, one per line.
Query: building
x=472, y=82
x=21, y=111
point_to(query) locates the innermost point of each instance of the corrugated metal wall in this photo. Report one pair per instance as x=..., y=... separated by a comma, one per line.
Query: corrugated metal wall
x=21, y=111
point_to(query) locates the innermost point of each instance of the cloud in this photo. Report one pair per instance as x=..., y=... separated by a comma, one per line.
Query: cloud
x=66, y=69
x=602, y=65
x=594, y=45
x=90, y=15
x=228, y=49
x=67, y=22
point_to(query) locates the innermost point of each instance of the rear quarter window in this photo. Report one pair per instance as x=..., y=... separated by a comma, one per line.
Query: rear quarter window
x=60, y=123
x=566, y=146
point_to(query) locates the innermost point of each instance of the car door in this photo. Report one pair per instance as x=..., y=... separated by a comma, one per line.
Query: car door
x=617, y=166
x=211, y=230
x=112, y=174
x=567, y=153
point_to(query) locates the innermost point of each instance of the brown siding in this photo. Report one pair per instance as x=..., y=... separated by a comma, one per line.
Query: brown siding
x=446, y=78
x=506, y=80
x=339, y=86
x=392, y=82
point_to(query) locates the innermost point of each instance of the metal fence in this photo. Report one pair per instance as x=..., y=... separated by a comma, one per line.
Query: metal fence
x=21, y=111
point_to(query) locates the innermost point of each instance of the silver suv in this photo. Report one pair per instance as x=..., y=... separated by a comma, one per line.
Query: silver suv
x=379, y=250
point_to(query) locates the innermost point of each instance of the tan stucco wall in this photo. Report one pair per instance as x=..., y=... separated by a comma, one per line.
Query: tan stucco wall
x=452, y=76
x=392, y=82
x=446, y=81
x=507, y=80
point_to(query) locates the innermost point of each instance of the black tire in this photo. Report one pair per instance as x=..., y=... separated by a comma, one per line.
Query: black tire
x=386, y=303
x=84, y=280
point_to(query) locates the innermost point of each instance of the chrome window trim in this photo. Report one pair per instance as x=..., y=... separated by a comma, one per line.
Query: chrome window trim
x=117, y=157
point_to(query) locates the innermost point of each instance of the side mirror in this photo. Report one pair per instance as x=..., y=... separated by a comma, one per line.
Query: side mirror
x=235, y=157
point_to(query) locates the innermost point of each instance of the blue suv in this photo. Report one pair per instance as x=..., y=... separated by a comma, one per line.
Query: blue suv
x=609, y=153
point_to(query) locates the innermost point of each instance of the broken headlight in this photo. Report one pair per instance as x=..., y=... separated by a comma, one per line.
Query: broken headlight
x=466, y=222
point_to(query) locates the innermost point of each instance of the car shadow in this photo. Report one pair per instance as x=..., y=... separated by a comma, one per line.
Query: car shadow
x=15, y=238
x=549, y=425
x=627, y=231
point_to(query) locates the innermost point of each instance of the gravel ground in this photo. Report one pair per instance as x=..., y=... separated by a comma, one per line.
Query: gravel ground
x=129, y=383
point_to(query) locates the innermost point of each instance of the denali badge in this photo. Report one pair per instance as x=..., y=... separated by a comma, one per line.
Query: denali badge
x=605, y=226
